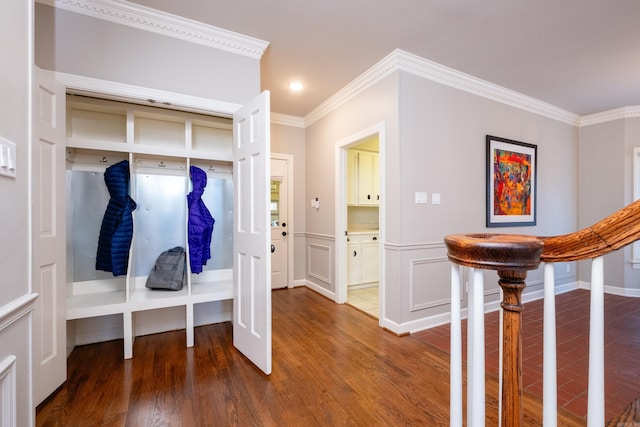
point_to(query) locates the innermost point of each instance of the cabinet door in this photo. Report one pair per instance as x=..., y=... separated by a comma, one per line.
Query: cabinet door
x=251, y=239
x=366, y=166
x=375, y=178
x=354, y=264
x=352, y=177
x=370, y=258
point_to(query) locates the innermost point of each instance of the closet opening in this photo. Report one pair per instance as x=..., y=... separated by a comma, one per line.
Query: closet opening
x=159, y=147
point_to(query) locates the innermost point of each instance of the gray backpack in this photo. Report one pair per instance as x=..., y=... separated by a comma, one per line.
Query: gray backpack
x=170, y=270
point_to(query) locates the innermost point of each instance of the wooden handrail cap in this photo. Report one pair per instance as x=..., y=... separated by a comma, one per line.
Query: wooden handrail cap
x=494, y=251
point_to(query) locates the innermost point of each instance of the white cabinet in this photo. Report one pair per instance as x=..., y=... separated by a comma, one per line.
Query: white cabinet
x=362, y=258
x=160, y=146
x=363, y=178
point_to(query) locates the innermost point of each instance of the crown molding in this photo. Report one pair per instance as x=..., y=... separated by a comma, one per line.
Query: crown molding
x=148, y=19
x=399, y=60
x=610, y=115
x=287, y=120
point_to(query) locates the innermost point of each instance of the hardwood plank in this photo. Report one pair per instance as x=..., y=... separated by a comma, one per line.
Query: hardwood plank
x=332, y=365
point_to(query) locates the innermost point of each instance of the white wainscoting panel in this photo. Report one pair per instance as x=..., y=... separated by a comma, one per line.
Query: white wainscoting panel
x=319, y=262
x=427, y=277
x=8, y=392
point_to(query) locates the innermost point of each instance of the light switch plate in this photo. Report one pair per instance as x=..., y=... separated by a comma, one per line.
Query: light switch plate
x=7, y=158
x=421, y=197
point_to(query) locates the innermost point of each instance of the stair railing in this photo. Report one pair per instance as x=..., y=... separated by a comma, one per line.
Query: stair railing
x=512, y=255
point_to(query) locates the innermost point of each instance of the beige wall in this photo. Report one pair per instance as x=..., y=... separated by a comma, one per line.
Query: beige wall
x=290, y=140
x=606, y=185
x=77, y=44
x=15, y=80
x=375, y=105
x=436, y=144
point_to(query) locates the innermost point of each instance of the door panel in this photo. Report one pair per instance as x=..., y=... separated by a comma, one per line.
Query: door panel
x=280, y=226
x=48, y=231
x=252, y=255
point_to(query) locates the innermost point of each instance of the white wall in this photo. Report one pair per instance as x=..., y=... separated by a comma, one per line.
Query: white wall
x=15, y=319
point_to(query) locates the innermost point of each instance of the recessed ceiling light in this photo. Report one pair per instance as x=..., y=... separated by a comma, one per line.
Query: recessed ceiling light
x=296, y=86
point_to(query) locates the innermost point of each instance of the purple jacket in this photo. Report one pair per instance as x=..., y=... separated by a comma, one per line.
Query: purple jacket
x=200, y=223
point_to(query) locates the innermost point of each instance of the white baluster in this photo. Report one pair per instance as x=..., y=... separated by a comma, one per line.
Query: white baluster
x=595, y=411
x=475, y=351
x=455, y=385
x=549, y=381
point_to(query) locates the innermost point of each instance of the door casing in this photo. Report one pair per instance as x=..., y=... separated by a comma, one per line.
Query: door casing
x=341, y=148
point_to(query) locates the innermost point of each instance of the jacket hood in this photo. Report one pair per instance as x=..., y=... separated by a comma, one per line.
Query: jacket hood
x=198, y=180
x=116, y=177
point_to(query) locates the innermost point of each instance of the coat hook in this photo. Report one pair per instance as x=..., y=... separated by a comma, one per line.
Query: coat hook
x=161, y=164
x=103, y=160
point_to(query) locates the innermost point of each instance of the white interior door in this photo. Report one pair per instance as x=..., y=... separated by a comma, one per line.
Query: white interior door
x=280, y=225
x=48, y=231
x=251, y=239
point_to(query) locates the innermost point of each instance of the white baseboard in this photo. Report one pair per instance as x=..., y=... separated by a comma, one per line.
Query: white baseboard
x=614, y=290
x=319, y=289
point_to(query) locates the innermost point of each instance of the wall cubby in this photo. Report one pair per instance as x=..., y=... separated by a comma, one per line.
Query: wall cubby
x=160, y=146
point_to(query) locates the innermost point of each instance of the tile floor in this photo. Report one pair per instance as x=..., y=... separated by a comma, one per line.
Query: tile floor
x=622, y=349
x=365, y=299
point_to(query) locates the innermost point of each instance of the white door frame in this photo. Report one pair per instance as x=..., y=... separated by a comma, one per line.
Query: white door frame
x=290, y=224
x=341, y=210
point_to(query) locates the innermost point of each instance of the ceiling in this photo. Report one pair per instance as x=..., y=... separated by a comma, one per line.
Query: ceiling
x=579, y=55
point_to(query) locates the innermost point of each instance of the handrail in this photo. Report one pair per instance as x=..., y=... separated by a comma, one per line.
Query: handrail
x=610, y=234
x=511, y=255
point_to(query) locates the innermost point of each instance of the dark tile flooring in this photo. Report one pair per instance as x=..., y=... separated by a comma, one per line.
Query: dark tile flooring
x=622, y=349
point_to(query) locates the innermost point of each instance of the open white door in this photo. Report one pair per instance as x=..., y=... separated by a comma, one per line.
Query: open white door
x=252, y=232
x=48, y=231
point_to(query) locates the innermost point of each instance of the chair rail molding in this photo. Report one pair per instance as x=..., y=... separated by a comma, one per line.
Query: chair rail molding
x=17, y=309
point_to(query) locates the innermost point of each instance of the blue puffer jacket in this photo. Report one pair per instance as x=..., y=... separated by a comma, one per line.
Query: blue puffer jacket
x=200, y=223
x=117, y=224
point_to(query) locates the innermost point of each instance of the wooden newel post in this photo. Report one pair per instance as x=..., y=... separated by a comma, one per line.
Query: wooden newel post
x=511, y=256
x=512, y=283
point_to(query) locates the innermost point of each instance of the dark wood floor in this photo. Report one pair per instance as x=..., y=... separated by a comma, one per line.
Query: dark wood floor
x=332, y=365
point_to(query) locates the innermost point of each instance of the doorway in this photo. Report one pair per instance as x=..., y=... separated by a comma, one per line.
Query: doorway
x=281, y=217
x=360, y=219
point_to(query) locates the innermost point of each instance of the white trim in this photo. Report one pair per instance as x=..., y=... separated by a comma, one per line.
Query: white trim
x=635, y=247
x=8, y=392
x=152, y=20
x=320, y=290
x=106, y=89
x=16, y=309
x=400, y=60
x=290, y=213
x=155, y=21
x=287, y=120
x=613, y=290
x=341, y=147
x=610, y=115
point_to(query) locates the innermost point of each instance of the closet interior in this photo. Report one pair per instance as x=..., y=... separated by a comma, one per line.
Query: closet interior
x=160, y=145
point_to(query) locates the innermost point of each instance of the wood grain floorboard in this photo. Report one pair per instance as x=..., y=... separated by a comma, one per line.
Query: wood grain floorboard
x=332, y=366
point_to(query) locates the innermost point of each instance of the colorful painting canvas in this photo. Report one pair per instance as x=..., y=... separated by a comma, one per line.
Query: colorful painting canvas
x=511, y=183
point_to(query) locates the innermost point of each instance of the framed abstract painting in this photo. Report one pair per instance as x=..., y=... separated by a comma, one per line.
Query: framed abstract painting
x=511, y=182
